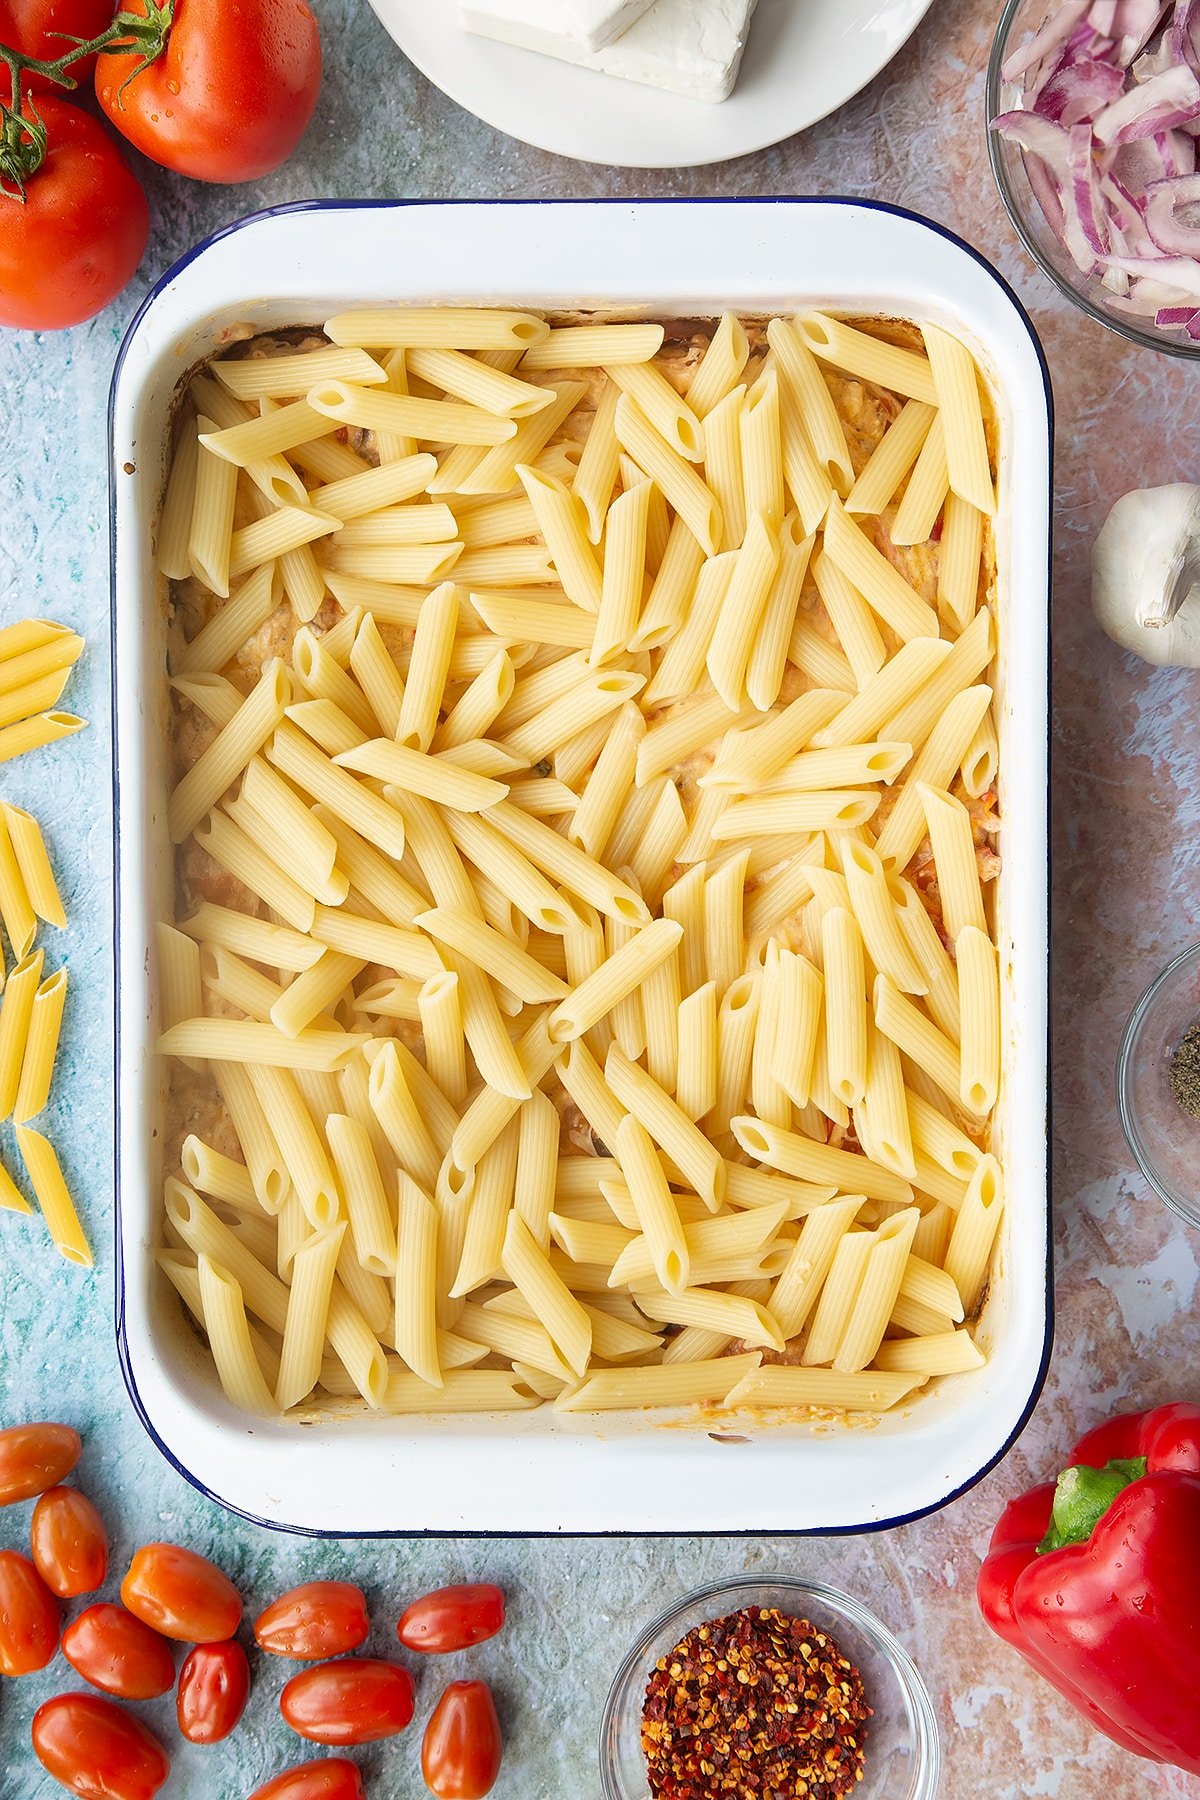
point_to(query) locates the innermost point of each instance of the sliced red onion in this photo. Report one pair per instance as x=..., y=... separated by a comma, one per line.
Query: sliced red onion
x=1159, y=104
x=1134, y=24
x=1108, y=121
x=1055, y=31
x=1076, y=93
x=1173, y=235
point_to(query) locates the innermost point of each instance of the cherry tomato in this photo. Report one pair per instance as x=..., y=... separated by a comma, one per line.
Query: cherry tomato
x=69, y=1542
x=214, y=1685
x=28, y=1617
x=333, y=1778
x=182, y=1595
x=354, y=1701
x=97, y=1749
x=320, y=1618
x=231, y=95
x=452, y=1618
x=118, y=1654
x=64, y=254
x=41, y=28
x=462, y=1747
x=34, y=1457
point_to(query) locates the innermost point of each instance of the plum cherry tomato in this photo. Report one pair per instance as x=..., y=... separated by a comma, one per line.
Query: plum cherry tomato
x=118, y=1654
x=181, y=1594
x=35, y=1457
x=333, y=1778
x=320, y=1618
x=214, y=1685
x=462, y=1748
x=355, y=1701
x=97, y=1749
x=452, y=1618
x=65, y=252
x=41, y=28
x=28, y=1617
x=69, y=1543
x=231, y=95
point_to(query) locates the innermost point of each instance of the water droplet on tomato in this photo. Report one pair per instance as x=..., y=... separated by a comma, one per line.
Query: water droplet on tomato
x=172, y=87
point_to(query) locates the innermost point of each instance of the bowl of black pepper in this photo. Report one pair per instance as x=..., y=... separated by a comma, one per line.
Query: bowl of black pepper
x=1158, y=1084
x=752, y=1689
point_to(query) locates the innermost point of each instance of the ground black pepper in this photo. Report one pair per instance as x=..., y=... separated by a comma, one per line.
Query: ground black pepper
x=756, y=1706
x=1184, y=1071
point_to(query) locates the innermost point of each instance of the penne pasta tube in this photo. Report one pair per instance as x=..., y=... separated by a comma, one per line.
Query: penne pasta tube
x=768, y=655
x=852, y=619
x=504, y=960
x=879, y=1290
x=247, y=1041
x=979, y=999
x=229, y=1340
x=872, y=359
x=668, y=1125
x=762, y=450
x=416, y=1330
x=555, y=1307
x=428, y=669
x=933, y=767
x=619, y=975
x=394, y=481
x=891, y=459
x=723, y=465
x=31, y=734
x=669, y=415
x=956, y=381
x=870, y=1391
x=472, y=380
x=941, y=1353
x=953, y=841
x=959, y=562
x=415, y=772
x=376, y=409
x=807, y=387
x=672, y=473
x=16, y=1011
x=437, y=327
x=974, y=1232
x=41, y=1047
x=313, y=1269
x=594, y=346
x=796, y=1155
x=742, y=609
x=624, y=573
x=53, y=1196
x=720, y=368
x=213, y=1173
x=925, y=495
x=917, y=1036
x=780, y=815
x=878, y=581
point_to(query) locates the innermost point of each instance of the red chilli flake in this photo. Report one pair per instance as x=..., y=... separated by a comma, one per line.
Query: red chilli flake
x=757, y=1706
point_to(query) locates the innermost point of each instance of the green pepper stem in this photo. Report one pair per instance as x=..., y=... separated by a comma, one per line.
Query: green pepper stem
x=1082, y=1496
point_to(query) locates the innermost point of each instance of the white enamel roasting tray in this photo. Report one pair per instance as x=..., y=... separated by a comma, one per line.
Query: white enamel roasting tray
x=535, y=1472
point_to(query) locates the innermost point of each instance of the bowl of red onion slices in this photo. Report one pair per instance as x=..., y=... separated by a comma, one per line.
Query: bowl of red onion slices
x=1094, y=113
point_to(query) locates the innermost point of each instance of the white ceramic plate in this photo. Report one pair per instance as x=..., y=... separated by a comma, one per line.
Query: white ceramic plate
x=805, y=58
x=539, y=1470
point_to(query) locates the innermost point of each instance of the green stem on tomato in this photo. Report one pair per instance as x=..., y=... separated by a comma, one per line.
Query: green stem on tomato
x=22, y=140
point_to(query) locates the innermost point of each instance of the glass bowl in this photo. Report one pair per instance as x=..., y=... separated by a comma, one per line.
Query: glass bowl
x=1018, y=21
x=903, y=1752
x=1164, y=1139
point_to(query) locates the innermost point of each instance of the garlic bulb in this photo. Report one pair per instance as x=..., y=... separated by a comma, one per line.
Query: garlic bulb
x=1146, y=574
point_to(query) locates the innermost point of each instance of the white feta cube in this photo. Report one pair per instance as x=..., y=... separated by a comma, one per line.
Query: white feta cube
x=598, y=23
x=690, y=47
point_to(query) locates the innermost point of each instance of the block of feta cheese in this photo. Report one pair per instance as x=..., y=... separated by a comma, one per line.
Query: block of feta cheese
x=691, y=47
x=597, y=23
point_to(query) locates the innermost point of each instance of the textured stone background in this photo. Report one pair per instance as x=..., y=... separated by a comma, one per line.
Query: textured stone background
x=1125, y=811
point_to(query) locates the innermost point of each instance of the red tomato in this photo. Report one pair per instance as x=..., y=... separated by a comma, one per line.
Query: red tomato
x=118, y=1654
x=351, y=1702
x=97, y=1749
x=232, y=93
x=36, y=28
x=34, y=1457
x=333, y=1778
x=452, y=1618
x=69, y=1543
x=214, y=1685
x=64, y=255
x=320, y=1618
x=182, y=1595
x=28, y=1617
x=462, y=1747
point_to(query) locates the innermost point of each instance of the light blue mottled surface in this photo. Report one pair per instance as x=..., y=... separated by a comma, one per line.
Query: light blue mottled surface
x=1127, y=1275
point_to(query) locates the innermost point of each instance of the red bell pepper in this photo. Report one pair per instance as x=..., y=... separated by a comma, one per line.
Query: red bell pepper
x=1095, y=1580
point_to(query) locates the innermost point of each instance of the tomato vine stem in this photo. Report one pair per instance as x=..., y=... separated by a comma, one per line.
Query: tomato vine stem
x=23, y=139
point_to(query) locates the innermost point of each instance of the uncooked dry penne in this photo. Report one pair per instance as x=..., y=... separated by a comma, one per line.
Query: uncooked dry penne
x=477, y=804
